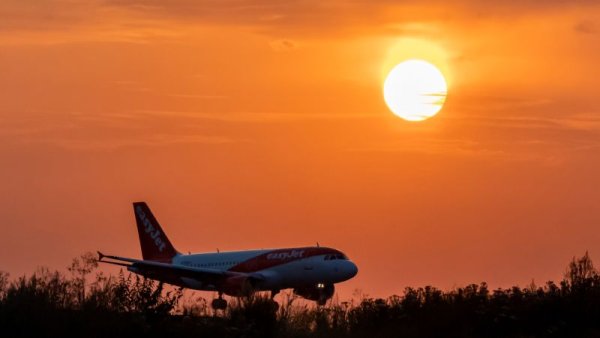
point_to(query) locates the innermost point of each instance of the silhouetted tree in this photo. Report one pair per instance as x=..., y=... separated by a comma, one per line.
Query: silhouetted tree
x=136, y=294
x=3, y=284
x=80, y=268
x=581, y=271
x=77, y=304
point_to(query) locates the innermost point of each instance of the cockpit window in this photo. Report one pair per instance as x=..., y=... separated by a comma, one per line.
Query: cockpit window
x=335, y=256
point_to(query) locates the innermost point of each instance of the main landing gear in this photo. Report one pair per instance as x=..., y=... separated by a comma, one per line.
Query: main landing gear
x=219, y=303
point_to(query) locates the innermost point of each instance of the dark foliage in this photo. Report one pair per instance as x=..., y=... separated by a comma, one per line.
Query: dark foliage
x=51, y=304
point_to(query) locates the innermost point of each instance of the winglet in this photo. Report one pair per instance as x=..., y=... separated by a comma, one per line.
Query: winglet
x=100, y=256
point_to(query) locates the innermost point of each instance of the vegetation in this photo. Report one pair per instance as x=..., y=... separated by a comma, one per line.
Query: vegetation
x=79, y=304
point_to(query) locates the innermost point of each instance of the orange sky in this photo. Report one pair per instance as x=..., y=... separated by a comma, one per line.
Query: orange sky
x=251, y=124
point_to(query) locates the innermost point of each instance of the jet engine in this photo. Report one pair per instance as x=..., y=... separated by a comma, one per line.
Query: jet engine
x=320, y=293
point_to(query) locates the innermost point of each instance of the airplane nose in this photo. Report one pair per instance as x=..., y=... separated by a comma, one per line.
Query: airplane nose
x=351, y=269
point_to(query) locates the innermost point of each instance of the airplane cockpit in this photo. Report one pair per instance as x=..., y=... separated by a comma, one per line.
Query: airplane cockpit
x=335, y=256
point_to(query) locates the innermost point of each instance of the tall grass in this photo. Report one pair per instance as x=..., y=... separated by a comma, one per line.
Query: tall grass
x=84, y=302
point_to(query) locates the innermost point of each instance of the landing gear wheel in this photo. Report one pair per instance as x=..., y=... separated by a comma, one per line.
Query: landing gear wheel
x=274, y=305
x=219, y=303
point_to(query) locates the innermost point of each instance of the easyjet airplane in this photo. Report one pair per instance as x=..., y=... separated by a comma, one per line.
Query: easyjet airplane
x=310, y=271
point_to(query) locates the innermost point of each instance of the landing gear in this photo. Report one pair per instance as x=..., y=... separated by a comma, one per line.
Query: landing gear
x=274, y=304
x=219, y=303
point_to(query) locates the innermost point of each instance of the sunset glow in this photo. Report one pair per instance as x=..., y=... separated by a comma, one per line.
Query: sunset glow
x=266, y=124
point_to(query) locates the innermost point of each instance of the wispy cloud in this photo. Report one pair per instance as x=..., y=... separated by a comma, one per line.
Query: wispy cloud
x=105, y=131
x=321, y=18
x=133, y=141
x=586, y=27
x=49, y=22
x=583, y=122
x=258, y=117
x=198, y=96
x=89, y=131
x=138, y=21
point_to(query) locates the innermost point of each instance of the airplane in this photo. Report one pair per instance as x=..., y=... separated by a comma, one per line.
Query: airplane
x=310, y=271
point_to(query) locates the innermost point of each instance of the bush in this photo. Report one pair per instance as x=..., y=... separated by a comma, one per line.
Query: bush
x=53, y=304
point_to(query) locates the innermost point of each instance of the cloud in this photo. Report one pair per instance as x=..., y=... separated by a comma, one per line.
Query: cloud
x=45, y=14
x=138, y=20
x=150, y=140
x=68, y=21
x=255, y=117
x=106, y=131
x=505, y=151
x=572, y=123
x=586, y=27
x=89, y=131
x=320, y=18
x=283, y=45
x=423, y=145
x=198, y=96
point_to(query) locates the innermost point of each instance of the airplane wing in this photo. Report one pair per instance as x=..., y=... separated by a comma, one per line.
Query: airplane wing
x=169, y=272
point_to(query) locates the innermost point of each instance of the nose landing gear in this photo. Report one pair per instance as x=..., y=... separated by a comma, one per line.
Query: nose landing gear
x=219, y=303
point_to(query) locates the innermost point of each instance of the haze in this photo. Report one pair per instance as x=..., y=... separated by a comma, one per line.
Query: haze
x=255, y=124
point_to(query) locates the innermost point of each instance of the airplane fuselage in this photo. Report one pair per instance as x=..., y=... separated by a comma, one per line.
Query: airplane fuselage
x=277, y=269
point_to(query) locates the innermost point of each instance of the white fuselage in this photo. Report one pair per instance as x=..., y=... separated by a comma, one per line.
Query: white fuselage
x=281, y=272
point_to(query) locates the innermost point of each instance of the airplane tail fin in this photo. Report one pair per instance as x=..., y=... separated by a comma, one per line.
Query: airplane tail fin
x=153, y=240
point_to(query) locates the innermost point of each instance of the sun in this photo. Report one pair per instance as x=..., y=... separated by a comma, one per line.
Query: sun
x=415, y=90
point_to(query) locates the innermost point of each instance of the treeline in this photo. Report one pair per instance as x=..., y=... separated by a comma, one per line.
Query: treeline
x=84, y=302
